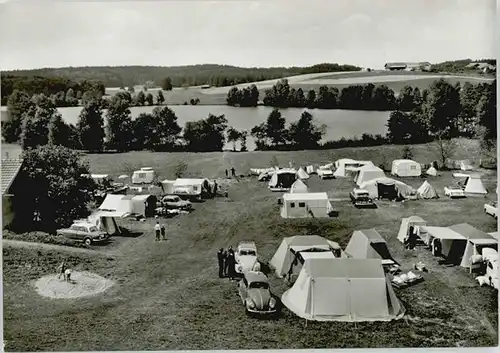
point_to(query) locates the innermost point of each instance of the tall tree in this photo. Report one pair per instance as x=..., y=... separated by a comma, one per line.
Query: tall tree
x=160, y=98
x=140, y=98
x=18, y=103
x=233, y=136
x=119, y=128
x=58, y=131
x=487, y=112
x=90, y=127
x=168, y=129
x=275, y=128
x=166, y=84
x=311, y=99
x=36, y=121
x=304, y=134
x=149, y=99
x=243, y=140
x=206, y=135
x=71, y=100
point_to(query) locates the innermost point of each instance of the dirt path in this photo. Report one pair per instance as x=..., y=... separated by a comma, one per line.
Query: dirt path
x=27, y=244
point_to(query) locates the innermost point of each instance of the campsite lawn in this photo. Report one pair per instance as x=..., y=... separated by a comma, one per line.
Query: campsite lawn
x=168, y=295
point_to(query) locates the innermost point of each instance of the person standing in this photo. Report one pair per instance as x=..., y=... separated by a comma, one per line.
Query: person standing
x=230, y=261
x=233, y=172
x=221, y=259
x=163, y=232
x=226, y=173
x=61, y=270
x=157, y=231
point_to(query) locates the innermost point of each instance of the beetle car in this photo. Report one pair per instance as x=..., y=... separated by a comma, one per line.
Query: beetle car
x=174, y=201
x=325, y=173
x=491, y=209
x=87, y=233
x=246, y=257
x=255, y=294
x=453, y=191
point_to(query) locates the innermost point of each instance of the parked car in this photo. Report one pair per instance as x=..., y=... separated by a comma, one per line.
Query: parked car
x=361, y=198
x=490, y=256
x=246, y=257
x=87, y=233
x=325, y=173
x=174, y=201
x=491, y=209
x=255, y=294
x=453, y=192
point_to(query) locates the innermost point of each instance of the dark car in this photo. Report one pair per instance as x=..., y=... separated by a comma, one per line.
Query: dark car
x=361, y=198
x=255, y=294
x=87, y=233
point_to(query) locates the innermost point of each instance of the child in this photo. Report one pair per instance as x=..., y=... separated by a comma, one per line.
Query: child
x=163, y=232
x=61, y=269
x=157, y=231
x=67, y=275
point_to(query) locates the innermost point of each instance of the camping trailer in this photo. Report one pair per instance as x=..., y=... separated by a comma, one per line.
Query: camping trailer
x=336, y=290
x=145, y=175
x=306, y=205
x=406, y=168
x=193, y=188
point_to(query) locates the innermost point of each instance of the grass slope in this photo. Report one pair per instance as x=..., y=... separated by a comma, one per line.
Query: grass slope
x=168, y=295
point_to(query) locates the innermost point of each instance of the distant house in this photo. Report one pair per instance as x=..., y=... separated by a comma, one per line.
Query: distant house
x=483, y=67
x=409, y=66
x=10, y=170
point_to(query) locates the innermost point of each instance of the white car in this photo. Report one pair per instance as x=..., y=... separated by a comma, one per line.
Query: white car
x=246, y=257
x=491, y=209
x=325, y=173
x=453, y=191
x=490, y=256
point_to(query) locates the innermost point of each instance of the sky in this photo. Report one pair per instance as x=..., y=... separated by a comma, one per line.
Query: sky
x=366, y=33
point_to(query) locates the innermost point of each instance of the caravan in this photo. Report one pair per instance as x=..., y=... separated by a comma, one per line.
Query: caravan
x=406, y=168
x=145, y=175
x=306, y=205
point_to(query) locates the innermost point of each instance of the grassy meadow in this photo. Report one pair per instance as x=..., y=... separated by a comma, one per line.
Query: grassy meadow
x=168, y=296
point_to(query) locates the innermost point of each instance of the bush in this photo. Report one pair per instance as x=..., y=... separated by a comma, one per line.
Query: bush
x=42, y=237
x=180, y=169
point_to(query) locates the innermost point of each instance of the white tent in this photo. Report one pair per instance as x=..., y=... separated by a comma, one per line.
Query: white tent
x=466, y=165
x=258, y=171
x=405, y=168
x=310, y=169
x=336, y=290
x=145, y=175
x=427, y=191
x=476, y=241
x=452, y=243
x=299, y=187
x=432, y=171
x=369, y=244
x=367, y=173
x=387, y=188
x=282, y=179
x=301, y=174
x=345, y=167
x=306, y=205
x=116, y=205
x=285, y=255
x=415, y=222
x=474, y=185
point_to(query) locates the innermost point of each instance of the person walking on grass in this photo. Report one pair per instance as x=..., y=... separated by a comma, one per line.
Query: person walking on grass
x=221, y=257
x=157, y=231
x=61, y=270
x=163, y=232
x=233, y=172
x=226, y=173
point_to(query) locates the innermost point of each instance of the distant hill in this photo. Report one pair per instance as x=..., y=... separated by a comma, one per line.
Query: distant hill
x=194, y=75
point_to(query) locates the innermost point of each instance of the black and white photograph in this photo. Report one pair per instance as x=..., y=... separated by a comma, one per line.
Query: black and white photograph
x=249, y=175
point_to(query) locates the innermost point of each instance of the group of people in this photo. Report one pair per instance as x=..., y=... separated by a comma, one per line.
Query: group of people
x=160, y=230
x=64, y=271
x=227, y=263
x=233, y=172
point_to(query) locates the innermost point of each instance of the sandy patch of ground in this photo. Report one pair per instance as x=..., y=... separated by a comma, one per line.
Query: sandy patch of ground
x=83, y=284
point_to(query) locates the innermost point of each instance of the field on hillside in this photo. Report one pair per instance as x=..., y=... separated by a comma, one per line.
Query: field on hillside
x=394, y=80
x=168, y=296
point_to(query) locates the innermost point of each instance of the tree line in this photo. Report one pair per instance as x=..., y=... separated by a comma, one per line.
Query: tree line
x=193, y=75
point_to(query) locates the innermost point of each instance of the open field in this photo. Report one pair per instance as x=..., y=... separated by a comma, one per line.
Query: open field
x=394, y=80
x=168, y=296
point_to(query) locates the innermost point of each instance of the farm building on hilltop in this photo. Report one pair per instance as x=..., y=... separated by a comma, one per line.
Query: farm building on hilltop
x=484, y=67
x=408, y=66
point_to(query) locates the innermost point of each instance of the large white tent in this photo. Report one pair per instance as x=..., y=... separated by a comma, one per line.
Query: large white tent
x=369, y=244
x=116, y=205
x=405, y=168
x=387, y=188
x=290, y=246
x=336, y=290
x=452, y=243
x=306, y=205
x=367, y=173
x=474, y=185
x=345, y=167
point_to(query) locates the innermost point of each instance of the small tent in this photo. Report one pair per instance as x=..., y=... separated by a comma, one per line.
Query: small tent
x=414, y=221
x=306, y=205
x=367, y=173
x=336, y=290
x=387, y=188
x=476, y=241
x=145, y=175
x=431, y=171
x=474, y=185
x=285, y=255
x=369, y=244
x=299, y=187
x=282, y=179
x=143, y=205
x=427, y=191
x=310, y=169
x=301, y=174
x=405, y=168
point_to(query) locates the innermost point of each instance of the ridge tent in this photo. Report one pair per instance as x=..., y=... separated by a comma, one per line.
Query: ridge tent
x=351, y=170
x=285, y=255
x=282, y=179
x=387, y=188
x=426, y=191
x=301, y=257
x=301, y=174
x=369, y=244
x=476, y=241
x=299, y=187
x=367, y=173
x=474, y=185
x=431, y=171
x=310, y=169
x=405, y=168
x=145, y=175
x=116, y=205
x=336, y=290
x=143, y=205
x=413, y=221
x=305, y=205
x=452, y=243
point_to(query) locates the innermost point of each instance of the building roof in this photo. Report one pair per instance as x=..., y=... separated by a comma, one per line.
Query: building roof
x=10, y=169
